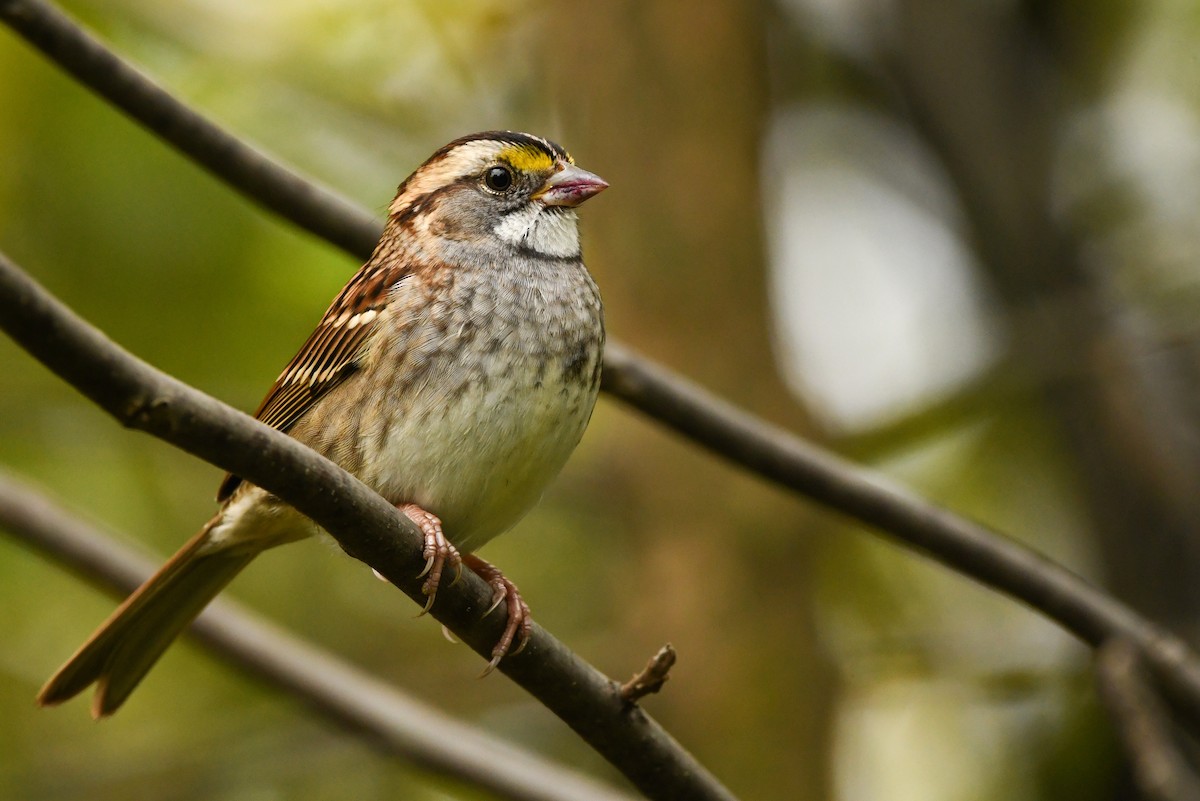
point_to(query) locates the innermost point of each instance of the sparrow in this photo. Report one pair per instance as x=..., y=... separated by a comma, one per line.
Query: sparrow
x=453, y=374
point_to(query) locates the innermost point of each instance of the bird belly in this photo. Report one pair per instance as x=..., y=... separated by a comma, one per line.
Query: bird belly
x=480, y=456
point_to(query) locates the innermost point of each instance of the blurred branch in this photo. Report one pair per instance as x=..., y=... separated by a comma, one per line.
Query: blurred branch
x=364, y=524
x=965, y=546
x=727, y=431
x=311, y=207
x=395, y=722
x=989, y=94
x=1161, y=772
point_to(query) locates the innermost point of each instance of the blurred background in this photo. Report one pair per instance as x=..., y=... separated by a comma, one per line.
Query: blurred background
x=954, y=241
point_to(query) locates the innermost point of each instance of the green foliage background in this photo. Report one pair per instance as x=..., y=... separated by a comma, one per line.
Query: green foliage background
x=814, y=662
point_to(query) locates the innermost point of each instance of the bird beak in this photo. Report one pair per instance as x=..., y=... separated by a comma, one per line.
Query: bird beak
x=570, y=186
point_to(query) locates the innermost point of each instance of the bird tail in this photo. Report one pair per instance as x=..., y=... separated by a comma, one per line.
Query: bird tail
x=124, y=648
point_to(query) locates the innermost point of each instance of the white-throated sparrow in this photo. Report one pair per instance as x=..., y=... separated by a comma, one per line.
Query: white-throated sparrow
x=454, y=374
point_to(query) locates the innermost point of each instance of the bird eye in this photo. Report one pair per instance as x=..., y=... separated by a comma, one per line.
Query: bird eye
x=498, y=178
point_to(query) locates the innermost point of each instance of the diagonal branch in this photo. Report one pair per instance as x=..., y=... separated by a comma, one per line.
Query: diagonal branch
x=967, y=547
x=729, y=432
x=397, y=723
x=363, y=523
x=963, y=545
x=311, y=207
x=1159, y=766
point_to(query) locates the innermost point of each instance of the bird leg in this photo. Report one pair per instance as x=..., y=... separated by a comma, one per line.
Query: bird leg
x=520, y=621
x=437, y=551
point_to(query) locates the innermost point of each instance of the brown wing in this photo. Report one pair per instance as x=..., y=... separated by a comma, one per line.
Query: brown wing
x=331, y=354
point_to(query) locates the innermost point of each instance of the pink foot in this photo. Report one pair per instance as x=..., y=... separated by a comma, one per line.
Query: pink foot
x=437, y=551
x=520, y=621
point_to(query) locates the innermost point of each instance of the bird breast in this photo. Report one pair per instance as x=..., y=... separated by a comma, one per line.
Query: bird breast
x=485, y=383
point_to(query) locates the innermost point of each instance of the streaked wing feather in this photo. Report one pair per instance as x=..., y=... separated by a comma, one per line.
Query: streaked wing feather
x=330, y=355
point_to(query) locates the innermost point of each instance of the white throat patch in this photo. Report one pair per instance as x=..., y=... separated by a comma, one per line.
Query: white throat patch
x=546, y=232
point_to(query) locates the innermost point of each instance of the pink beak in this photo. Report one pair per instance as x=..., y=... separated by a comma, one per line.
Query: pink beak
x=570, y=186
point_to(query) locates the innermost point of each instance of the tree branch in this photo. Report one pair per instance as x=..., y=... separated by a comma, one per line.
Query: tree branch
x=727, y=431
x=967, y=547
x=1160, y=769
x=986, y=89
x=311, y=207
x=363, y=523
x=394, y=721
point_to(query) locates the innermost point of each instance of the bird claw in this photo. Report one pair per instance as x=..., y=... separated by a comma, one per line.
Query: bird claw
x=491, y=665
x=496, y=599
x=519, y=626
x=428, y=605
x=437, y=551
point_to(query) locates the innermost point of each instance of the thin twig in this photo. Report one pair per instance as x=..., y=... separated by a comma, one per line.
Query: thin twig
x=652, y=677
x=363, y=523
x=727, y=431
x=1161, y=772
x=396, y=722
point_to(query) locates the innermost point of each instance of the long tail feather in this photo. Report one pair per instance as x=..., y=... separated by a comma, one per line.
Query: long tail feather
x=124, y=648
